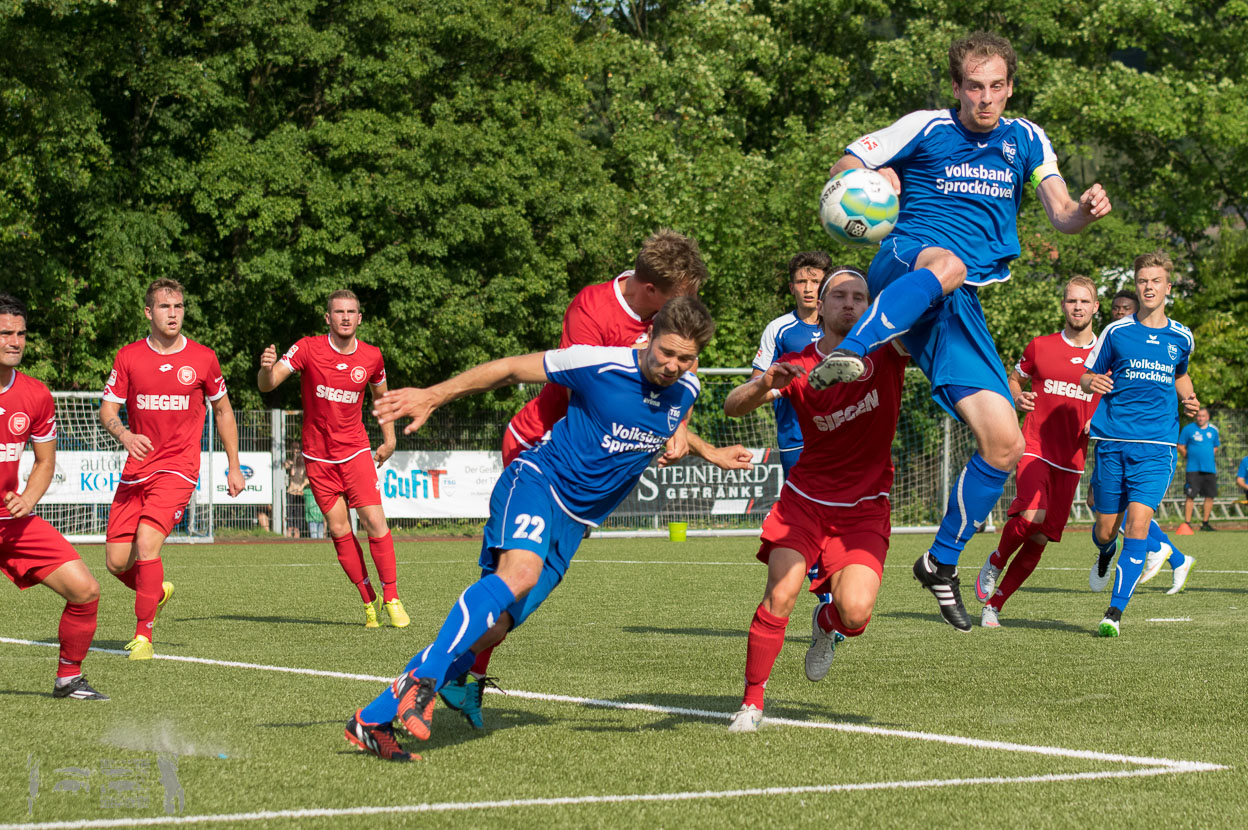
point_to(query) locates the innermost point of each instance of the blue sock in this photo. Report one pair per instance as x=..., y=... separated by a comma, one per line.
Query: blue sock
x=1105, y=549
x=898, y=307
x=385, y=707
x=1130, y=566
x=1157, y=537
x=477, y=609
x=974, y=495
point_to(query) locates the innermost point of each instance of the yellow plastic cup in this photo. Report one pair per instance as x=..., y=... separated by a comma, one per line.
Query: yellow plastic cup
x=676, y=531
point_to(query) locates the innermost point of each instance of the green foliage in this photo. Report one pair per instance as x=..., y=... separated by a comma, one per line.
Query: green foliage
x=467, y=166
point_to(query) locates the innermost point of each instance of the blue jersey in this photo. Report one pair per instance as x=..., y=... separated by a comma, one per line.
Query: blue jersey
x=786, y=334
x=961, y=190
x=1143, y=363
x=1242, y=472
x=617, y=422
x=1200, y=443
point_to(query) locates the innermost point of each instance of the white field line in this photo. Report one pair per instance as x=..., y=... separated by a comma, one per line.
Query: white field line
x=1168, y=619
x=632, y=798
x=955, y=740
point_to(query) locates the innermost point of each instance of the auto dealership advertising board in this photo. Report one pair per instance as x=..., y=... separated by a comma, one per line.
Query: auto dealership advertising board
x=84, y=477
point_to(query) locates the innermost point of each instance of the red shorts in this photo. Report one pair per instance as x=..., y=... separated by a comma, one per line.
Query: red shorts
x=31, y=549
x=831, y=537
x=1041, y=486
x=354, y=479
x=159, y=501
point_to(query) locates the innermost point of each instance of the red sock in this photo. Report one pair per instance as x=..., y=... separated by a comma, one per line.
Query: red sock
x=128, y=577
x=829, y=619
x=351, y=557
x=1016, y=531
x=76, y=631
x=1022, y=566
x=482, y=665
x=761, y=650
x=147, y=593
x=382, y=551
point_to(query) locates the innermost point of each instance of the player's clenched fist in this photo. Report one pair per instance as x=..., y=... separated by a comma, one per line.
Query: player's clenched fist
x=1095, y=202
x=268, y=358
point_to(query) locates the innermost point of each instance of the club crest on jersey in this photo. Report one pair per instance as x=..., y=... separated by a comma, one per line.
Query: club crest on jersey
x=18, y=423
x=868, y=369
x=642, y=339
x=1008, y=149
x=1173, y=351
x=673, y=418
x=164, y=367
x=186, y=375
x=358, y=374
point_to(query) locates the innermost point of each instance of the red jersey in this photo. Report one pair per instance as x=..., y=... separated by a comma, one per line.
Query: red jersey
x=847, y=429
x=333, y=395
x=164, y=397
x=26, y=412
x=597, y=316
x=1055, y=430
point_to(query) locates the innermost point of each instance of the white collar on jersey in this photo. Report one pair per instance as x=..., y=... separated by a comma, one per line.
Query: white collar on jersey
x=9, y=385
x=148, y=341
x=1066, y=340
x=355, y=340
x=619, y=296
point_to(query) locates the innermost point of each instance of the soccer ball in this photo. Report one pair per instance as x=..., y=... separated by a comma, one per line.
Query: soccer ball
x=858, y=206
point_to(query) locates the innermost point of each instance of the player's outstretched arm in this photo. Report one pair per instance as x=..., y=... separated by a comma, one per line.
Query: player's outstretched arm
x=388, y=439
x=1099, y=384
x=759, y=390
x=419, y=404
x=849, y=161
x=22, y=504
x=1068, y=215
x=1187, y=394
x=735, y=457
x=272, y=371
x=227, y=428
x=137, y=445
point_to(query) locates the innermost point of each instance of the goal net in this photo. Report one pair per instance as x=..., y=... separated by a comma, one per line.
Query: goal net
x=88, y=468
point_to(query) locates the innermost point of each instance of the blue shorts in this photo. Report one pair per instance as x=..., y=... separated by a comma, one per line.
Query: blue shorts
x=1131, y=471
x=525, y=516
x=788, y=458
x=950, y=342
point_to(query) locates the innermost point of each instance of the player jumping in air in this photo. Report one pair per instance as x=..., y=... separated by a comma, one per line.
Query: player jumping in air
x=625, y=404
x=1056, y=432
x=617, y=312
x=334, y=371
x=964, y=172
x=833, y=512
x=163, y=381
x=32, y=552
x=1138, y=366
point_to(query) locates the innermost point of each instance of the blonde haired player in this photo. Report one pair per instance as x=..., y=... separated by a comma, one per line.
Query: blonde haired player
x=342, y=468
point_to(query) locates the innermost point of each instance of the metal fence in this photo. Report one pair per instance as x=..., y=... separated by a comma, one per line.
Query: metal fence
x=929, y=451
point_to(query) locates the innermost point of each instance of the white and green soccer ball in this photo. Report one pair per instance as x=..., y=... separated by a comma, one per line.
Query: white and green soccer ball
x=858, y=207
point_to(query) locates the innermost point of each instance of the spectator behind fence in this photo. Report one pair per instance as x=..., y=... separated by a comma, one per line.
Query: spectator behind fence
x=1241, y=478
x=313, y=515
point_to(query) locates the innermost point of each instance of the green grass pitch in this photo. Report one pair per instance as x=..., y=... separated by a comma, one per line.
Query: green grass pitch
x=655, y=623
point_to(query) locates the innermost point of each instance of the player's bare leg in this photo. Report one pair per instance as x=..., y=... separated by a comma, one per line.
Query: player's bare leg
x=381, y=548
x=994, y=422
x=81, y=592
x=786, y=572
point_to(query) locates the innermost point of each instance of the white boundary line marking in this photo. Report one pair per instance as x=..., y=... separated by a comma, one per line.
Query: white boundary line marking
x=955, y=740
x=1168, y=619
x=446, y=807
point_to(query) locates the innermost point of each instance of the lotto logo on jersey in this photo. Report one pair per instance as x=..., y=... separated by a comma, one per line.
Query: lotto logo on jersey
x=163, y=403
x=358, y=374
x=12, y=451
x=186, y=375
x=329, y=393
x=642, y=339
x=19, y=422
x=1066, y=389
